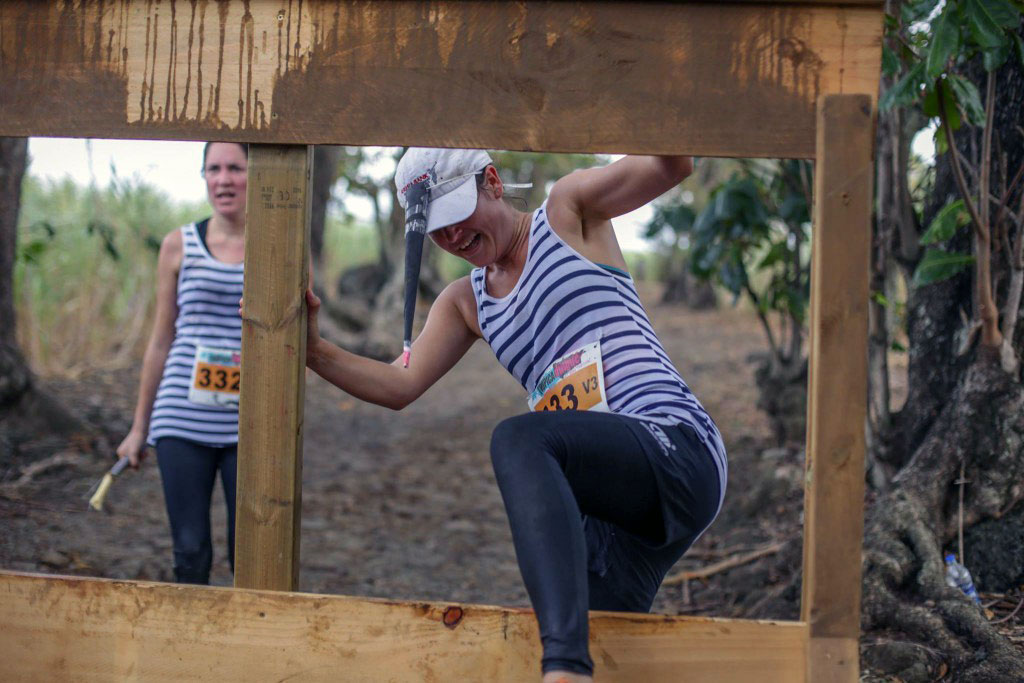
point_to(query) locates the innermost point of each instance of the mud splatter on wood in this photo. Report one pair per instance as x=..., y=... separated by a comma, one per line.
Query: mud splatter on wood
x=733, y=79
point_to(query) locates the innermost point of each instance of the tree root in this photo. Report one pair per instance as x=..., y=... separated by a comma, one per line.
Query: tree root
x=904, y=577
x=40, y=467
x=905, y=592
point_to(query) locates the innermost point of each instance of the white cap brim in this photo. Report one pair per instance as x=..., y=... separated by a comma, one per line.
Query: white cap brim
x=452, y=207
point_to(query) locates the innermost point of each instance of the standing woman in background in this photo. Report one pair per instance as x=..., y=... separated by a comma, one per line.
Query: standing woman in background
x=188, y=393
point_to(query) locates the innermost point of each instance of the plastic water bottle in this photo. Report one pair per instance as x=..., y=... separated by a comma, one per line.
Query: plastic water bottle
x=957, y=576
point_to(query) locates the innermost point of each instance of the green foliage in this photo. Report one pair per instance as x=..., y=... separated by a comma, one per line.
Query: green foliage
x=676, y=217
x=930, y=54
x=968, y=97
x=368, y=172
x=33, y=245
x=946, y=222
x=452, y=267
x=751, y=236
x=906, y=91
x=938, y=265
x=757, y=221
x=348, y=243
x=933, y=44
x=944, y=44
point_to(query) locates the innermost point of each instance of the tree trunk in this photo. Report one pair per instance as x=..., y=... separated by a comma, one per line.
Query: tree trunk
x=325, y=172
x=962, y=408
x=895, y=236
x=26, y=412
x=683, y=287
x=15, y=378
x=383, y=335
x=377, y=314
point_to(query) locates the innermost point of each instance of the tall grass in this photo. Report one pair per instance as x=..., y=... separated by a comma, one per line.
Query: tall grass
x=85, y=276
x=86, y=268
x=347, y=243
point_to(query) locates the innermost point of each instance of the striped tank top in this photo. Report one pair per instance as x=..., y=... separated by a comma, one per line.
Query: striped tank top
x=562, y=302
x=208, y=294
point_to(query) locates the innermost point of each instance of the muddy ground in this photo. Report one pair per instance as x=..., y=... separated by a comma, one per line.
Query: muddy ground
x=403, y=505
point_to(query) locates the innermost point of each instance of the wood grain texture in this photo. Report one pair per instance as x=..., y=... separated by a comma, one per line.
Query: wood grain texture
x=70, y=628
x=837, y=400
x=708, y=78
x=269, y=494
x=833, y=660
x=867, y=3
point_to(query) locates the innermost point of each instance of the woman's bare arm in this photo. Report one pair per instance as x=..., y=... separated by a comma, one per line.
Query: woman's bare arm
x=445, y=339
x=160, y=339
x=596, y=195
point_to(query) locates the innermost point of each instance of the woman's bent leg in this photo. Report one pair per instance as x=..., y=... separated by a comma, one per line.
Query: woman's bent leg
x=551, y=467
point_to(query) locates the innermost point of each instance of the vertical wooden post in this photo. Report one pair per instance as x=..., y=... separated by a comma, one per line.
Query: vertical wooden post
x=269, y=497
x=837, y=396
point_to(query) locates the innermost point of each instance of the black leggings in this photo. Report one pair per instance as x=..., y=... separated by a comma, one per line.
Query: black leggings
x=188, y=471
x=600, y=506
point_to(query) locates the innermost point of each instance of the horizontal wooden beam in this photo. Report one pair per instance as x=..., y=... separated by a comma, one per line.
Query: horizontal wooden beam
x=63, y=628
x=869, y=3
x=707, y=78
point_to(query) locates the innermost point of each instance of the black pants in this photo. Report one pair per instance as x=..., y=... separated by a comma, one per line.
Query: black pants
x=188, y=471
x=600, y=506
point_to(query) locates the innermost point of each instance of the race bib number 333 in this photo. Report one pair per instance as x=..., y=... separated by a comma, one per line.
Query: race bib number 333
x=573, y=382
x=216, y=377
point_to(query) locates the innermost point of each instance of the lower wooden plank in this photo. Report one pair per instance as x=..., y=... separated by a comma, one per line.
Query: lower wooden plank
x=83, y=629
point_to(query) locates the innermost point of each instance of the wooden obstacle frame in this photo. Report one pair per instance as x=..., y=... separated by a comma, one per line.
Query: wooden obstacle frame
x=791, y=78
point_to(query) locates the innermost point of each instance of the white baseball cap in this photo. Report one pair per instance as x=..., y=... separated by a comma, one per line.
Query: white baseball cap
x=450, y=176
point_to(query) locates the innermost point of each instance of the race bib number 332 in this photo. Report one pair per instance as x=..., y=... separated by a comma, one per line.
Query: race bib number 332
x=216, y=377
x=573, y=382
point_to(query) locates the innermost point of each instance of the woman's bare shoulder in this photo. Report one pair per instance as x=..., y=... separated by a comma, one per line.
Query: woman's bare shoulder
x=172, y=249
x=460, y=295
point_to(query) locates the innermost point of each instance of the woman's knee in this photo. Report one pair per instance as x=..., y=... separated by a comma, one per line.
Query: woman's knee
x=516, y=440
x=190, y=542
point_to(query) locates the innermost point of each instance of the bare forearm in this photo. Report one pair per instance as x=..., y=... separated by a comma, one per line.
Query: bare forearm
x=369, y=380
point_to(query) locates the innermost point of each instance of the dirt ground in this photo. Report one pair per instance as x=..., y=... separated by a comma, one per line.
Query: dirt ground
x=401, y=505
x=404, y=505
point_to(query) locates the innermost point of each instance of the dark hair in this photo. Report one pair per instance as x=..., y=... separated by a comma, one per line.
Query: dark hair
x=206, y=149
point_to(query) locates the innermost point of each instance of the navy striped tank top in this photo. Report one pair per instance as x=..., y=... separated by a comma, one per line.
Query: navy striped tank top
x=208, y=294
x=562, y=302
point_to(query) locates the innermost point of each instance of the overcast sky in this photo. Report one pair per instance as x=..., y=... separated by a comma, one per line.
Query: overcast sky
x=174, y=168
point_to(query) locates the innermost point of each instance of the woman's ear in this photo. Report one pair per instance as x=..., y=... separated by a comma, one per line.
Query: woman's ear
x=492, y=182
